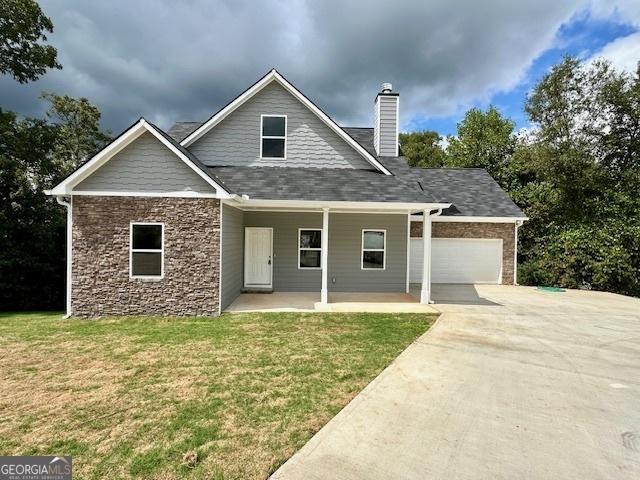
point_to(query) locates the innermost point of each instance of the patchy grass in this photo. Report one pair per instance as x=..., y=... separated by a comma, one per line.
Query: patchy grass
x=129, y=397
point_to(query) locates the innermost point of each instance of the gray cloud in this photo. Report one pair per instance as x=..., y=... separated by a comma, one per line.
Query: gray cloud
x=169, y=60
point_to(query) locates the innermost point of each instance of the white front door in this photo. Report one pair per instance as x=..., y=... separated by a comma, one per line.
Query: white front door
x=258, y=242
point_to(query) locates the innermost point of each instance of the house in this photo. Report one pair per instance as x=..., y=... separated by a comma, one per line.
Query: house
x=270, y=194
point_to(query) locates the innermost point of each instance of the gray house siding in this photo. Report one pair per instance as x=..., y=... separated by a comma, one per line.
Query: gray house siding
x=232, y=254
x=345, y=242
x=145, y=165
x=345, y=249
x=310, y=143
x=386, y=133
x=287, y=277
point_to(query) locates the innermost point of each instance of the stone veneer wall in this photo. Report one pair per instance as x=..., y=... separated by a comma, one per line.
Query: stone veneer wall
x=101, y=284
x=505, y=231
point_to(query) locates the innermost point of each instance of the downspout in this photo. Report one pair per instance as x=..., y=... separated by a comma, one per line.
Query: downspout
x=67, y=204
x=518, y=224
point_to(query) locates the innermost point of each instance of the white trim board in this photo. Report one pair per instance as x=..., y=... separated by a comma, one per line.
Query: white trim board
x=418, y=218
x=247, y=203
x=114, y=193
x=141, y=126
x=273, y=75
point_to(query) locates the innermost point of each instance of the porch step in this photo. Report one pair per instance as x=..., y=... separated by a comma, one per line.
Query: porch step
x=257, y=290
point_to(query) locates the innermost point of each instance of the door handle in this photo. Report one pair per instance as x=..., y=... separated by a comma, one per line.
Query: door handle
x=269, y=262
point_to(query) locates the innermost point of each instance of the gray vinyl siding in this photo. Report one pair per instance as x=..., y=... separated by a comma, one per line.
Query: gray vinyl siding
x=345, y=242
x=232, y=254
x=310, y=143
x=145, y=165
x=287, y=277
x=386, y=132
x=345, y=250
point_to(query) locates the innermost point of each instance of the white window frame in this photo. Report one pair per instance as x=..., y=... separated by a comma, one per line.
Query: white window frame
x=310, y=249
x=383, y=250
x=146, y=250
x=277, y=137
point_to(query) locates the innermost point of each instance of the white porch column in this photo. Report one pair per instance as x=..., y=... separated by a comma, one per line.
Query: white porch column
x=324, y=294
x=425, y=291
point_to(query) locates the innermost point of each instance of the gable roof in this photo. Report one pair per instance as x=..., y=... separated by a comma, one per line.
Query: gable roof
x=274, y=76
x=65, y=187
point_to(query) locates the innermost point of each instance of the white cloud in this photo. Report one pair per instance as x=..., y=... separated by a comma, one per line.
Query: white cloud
x=171, y=60
x=623, y=53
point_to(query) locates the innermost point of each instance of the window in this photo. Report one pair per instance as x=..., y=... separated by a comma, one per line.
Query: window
x=309, y=248
x=374, y=244
x=146, y=250
x=273, y=136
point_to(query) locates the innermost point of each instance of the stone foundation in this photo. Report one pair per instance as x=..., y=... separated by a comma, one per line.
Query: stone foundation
x=101, y=284
x=505, y=231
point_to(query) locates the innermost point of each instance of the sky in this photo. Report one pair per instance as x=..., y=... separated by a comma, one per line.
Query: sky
x=182, y=60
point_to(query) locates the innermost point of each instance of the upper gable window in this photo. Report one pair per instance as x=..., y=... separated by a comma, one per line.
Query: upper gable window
x=273, y=136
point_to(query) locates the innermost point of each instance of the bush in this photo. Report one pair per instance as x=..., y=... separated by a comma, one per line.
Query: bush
x=603, y=256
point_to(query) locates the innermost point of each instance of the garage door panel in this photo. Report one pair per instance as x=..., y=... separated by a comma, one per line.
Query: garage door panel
x=459, y=260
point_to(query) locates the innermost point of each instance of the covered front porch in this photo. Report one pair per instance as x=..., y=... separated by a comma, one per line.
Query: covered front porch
x=445, y=296
x=337, y=302
x=327, y=258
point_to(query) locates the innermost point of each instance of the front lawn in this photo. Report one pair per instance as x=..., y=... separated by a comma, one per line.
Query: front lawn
x=129, y=397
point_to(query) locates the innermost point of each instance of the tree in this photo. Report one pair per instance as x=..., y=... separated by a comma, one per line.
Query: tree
x=582, y=178
x=78, y=125
x=32, y=226
x=23, y=26
x=484, y=140
x=423, y=149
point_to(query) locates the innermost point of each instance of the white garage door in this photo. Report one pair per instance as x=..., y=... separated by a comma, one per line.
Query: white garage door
x=459, y=260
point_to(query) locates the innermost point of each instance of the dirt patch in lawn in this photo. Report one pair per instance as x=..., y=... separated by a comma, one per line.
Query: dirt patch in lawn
x=129, y=397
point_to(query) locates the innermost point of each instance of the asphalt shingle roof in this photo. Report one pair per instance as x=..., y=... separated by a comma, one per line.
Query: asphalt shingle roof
x=181, y=130
x=471, y=191
x=328, y=184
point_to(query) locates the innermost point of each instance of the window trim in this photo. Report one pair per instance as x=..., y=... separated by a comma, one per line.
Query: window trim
x=383, y=249
x=275, y=137
x=315, y=229
x=146, y=250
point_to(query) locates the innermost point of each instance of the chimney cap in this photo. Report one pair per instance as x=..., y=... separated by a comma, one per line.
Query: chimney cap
x=387, y=87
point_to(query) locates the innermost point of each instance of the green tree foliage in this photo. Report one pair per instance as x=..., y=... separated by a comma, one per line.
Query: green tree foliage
x=78, y=126
x=23, y=26
x=585, y=154
x=484, y=140
x=423, y=149
x=35, y=155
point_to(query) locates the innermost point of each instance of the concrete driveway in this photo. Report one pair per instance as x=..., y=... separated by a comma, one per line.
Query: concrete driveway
x=510, y=383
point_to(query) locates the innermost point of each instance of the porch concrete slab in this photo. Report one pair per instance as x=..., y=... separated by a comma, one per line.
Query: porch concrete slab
x=338, y=302
x=510, y=383
x=275, y=302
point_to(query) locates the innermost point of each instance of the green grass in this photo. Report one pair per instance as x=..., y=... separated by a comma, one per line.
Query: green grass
x=128, y=397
